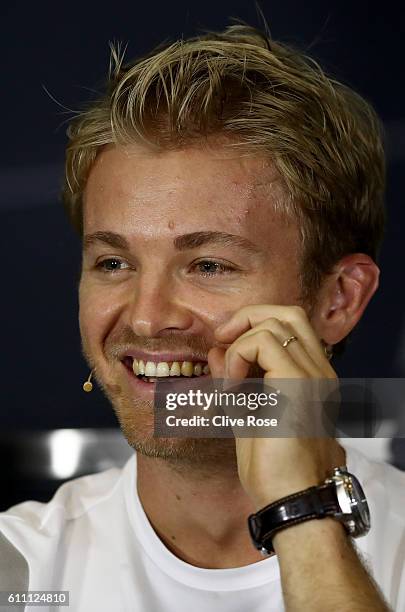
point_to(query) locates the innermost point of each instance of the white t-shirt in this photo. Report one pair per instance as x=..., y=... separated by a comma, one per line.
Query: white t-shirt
x=94, y=540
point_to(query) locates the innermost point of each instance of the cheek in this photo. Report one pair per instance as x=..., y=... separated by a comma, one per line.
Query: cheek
x=97, y=311
x=209, y=308
x=214, y=308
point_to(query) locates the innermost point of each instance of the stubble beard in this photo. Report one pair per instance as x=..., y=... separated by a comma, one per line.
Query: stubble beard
x=136, y=416
x=136, y=420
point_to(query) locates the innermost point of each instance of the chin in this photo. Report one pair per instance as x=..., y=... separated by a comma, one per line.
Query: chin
x=209, y=452
x=136, y=420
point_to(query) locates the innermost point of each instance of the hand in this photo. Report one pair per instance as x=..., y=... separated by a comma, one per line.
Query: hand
x=271, y=468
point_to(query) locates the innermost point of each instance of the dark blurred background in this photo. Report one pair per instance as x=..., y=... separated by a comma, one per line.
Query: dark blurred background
x=55, y=57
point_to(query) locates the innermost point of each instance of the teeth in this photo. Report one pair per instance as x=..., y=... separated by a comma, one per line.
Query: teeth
x=187, y=368
x=135, y=367
x=175, y=369
x=148, y=379
x=150, y=368
x=197, y=371
x=162, y=369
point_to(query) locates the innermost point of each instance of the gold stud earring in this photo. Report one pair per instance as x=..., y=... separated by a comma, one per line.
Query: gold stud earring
x=88, y=385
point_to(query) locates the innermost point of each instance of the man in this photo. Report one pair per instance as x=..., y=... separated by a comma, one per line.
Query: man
x=229, y=196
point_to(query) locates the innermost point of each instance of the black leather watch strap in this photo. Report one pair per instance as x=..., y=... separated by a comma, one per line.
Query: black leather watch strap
x=315, y=502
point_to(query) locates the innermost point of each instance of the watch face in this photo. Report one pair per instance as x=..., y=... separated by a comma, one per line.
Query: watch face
x=354, y=511
x=359, y=503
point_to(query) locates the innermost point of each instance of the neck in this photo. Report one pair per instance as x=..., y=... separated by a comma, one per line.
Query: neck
x=203, y=519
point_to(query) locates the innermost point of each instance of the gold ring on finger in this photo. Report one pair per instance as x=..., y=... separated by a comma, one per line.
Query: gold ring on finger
x=288, y=340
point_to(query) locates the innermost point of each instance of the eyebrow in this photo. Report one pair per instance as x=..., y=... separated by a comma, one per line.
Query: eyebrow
x=111, y=238
x=197, y=239
x=180, y=243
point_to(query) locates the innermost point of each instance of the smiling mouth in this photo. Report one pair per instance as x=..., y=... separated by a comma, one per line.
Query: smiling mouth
x=150, y=371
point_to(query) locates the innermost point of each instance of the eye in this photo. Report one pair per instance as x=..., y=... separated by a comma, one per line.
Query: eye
x=208, y=268
x=111, y=265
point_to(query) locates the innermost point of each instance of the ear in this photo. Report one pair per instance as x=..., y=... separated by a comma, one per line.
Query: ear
x=344, y=296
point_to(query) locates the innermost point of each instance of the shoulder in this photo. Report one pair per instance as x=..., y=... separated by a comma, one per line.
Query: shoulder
x=36, y=537
x=32, y=521
x=383, y=484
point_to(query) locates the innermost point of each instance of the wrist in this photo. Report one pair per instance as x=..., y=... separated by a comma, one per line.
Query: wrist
x=340, y=497
x=329, y=530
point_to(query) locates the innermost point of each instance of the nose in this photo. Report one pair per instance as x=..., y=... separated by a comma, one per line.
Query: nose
x=156, y=307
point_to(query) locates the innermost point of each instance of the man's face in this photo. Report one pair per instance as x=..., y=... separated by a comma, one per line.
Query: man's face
x=170, y=276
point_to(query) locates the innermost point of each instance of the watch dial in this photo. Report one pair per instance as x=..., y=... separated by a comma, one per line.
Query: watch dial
x=359, y=502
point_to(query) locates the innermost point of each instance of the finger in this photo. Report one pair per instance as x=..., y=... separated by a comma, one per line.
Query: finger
x=250, y=316
x=296, y=348
x=261, y=347
x=216, y=362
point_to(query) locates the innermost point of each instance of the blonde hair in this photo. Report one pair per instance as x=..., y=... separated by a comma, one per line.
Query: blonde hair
x=261, y=97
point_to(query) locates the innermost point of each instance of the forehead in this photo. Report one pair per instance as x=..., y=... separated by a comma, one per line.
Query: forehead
x=135, y=192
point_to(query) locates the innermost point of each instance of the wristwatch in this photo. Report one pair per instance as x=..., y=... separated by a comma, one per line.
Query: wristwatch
x=340, y=497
